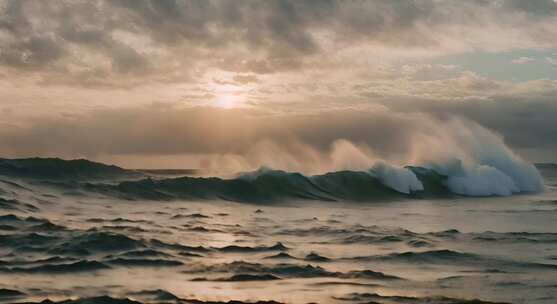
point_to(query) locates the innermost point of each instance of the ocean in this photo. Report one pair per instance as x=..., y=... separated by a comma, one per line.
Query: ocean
x=83, y=232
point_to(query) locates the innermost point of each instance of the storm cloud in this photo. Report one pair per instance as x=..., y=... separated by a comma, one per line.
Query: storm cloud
x=127, y=40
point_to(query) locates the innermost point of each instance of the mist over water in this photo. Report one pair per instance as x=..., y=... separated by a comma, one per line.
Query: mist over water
x=475, y=160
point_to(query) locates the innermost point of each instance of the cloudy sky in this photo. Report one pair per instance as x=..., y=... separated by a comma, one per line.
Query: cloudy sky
x=210, y=83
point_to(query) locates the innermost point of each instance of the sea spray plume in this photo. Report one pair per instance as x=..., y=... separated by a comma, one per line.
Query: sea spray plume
x=480, y=180
x=470, y=159
x=293, y=156
x=252, y=175
x=400, y=179
x=476, y=161
x=346, y=155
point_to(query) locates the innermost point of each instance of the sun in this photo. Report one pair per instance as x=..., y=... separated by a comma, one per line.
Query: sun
x=227, y=101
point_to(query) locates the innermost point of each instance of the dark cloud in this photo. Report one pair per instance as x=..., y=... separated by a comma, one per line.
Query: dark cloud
x=127, y=60
x=32, y=53
x=537, y=8
x=243, y=79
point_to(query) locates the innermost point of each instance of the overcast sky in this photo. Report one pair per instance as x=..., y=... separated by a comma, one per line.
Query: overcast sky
x=190, y=83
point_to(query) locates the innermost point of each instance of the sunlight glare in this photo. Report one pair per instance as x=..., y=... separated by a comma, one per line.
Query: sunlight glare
x=227, y=101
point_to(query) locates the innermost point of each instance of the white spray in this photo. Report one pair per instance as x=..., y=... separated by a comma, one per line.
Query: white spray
x=475, y=160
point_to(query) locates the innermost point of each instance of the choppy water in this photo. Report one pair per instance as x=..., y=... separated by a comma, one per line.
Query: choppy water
x=59, y=242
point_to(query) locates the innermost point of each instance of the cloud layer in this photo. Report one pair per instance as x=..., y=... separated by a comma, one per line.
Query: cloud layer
x=248, y=138
x=123, y=42
x=210, y=79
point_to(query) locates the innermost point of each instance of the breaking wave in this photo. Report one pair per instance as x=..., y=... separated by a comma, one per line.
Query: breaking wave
x=382, y=182
x=451, y=157
x=272, y=185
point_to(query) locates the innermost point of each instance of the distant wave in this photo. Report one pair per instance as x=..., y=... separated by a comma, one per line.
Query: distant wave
x=163, y=295
x=381, y=182
x=56, y=168
x=274, y=185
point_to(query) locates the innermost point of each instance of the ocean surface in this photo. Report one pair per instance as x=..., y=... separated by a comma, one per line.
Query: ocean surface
x=83, y=232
